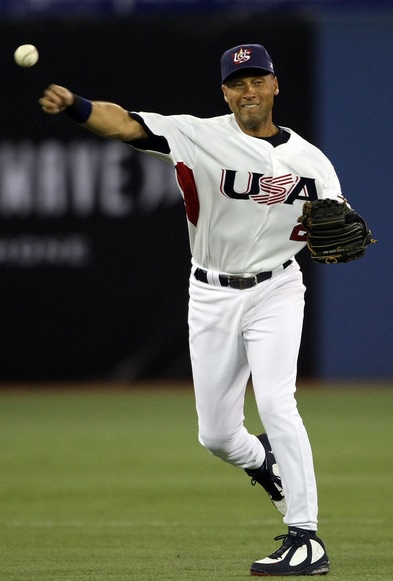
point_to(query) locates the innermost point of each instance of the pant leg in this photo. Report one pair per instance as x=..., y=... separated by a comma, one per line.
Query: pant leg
x=272, y=340
x=220, y=373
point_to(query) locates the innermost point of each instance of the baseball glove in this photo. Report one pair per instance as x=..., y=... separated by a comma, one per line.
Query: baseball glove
x=335, y=232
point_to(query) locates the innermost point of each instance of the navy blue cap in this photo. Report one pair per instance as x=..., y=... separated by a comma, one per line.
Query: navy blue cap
x=245, y=56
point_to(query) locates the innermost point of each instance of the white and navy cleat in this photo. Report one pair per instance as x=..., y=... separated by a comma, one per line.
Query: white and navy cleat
x=268, y=476
x=301, y=553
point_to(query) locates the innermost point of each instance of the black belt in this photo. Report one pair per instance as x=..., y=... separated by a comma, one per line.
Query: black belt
x=239, y=282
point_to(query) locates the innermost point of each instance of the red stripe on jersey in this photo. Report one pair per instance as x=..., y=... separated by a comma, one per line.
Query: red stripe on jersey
x=186, y=181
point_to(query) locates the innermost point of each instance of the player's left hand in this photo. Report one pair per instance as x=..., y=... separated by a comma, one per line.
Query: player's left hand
x=335, y=232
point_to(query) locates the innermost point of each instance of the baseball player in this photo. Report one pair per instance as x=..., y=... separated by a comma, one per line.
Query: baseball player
x=244, y=181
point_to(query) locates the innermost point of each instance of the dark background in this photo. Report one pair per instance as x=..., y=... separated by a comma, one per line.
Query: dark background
x=116, y=308
x=124, y=314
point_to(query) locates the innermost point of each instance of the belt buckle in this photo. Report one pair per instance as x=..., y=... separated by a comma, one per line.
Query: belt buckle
x=242, y=283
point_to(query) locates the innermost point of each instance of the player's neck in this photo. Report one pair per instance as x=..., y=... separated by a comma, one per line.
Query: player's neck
x=262, y=130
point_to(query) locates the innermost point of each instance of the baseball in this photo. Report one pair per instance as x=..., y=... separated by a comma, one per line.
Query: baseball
x=26, y=55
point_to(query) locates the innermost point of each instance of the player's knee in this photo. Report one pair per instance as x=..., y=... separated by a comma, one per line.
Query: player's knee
x=218, y=446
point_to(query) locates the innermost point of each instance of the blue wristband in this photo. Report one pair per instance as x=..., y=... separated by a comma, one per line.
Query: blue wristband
x=80, y=110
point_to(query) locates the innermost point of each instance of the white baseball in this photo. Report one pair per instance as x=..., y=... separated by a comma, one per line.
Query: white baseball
x=26, y=55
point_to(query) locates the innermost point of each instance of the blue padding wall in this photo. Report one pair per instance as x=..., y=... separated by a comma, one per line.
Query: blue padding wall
x=355, y=123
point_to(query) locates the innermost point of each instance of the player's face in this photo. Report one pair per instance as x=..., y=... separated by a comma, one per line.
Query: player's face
x=251, y=101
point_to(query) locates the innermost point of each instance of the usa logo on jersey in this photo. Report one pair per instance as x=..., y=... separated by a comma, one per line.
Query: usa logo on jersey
x=269, y=190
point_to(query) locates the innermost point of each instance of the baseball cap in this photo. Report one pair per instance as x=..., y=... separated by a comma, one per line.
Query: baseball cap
x=245, y=56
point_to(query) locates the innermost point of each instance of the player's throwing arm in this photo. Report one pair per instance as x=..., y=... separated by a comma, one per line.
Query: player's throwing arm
x=104, y=119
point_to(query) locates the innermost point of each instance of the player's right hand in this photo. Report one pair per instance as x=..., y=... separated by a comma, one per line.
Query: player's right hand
x=56, y=99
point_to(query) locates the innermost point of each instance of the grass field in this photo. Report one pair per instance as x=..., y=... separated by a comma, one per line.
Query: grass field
x=112, y=484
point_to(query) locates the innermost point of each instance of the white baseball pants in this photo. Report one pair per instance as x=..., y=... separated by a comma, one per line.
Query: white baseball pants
x=237, y=332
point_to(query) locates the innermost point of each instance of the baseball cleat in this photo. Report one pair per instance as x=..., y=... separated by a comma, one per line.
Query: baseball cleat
x=301, y=553
x=268, y=476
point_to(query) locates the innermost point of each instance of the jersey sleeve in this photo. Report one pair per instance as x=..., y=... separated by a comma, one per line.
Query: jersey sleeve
x=157, y=143
x=170, y=138
x=331, y=186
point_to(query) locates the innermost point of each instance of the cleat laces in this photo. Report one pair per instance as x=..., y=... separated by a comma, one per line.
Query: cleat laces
x=289, y=540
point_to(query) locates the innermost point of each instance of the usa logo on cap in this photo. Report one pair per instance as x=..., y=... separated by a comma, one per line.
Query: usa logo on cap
x=242, y=56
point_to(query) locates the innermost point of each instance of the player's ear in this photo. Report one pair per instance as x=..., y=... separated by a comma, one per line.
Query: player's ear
x=223, y=90
x=276, y=87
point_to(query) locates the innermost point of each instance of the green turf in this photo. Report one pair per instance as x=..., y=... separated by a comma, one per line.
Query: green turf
x=112, y=485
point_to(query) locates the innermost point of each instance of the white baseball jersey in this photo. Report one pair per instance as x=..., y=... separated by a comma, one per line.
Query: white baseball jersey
x=243, y=196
